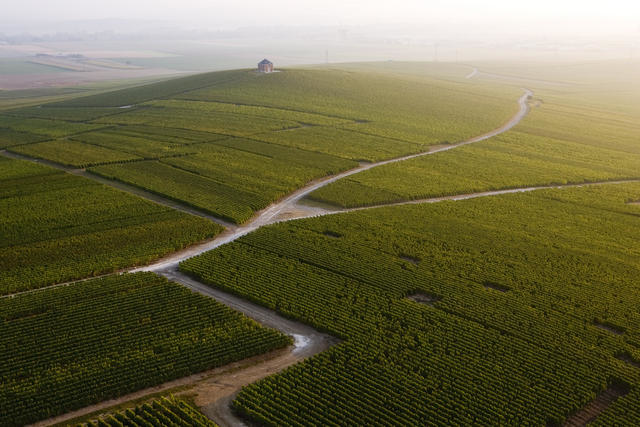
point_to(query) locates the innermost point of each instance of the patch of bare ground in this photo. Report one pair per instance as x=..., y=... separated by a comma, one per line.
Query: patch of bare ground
x=214, y=395
x=409, y=258
x=495, y=286
x=609, y=327
x=424, y=298
x=628, y=359
x=332, y=234
x=634, y=202
x=438, y=147
x=591, y=410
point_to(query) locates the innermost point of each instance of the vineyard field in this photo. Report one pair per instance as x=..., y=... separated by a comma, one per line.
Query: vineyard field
x=230, y=143
x=487, y=347
x=166, y=411
x=60, y=113
x=200, y=119
x=9, y=137
x=230, y=179
x=51, y=128
x=74, y=153
x=73, y=351
x=511, y=160
x=570, y=136
x=350, y=144
x=58, y=227
x=144, y=146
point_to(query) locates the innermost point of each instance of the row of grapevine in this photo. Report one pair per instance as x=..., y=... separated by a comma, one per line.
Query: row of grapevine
x=65, y=348
x=74, y=153
x=163, y=412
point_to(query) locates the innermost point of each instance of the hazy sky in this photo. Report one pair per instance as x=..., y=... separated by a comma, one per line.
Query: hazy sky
x=514, y=16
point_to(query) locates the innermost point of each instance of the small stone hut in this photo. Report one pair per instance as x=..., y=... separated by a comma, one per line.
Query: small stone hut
x=265, y=66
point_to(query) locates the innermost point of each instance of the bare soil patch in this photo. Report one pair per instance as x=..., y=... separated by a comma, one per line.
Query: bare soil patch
x=626, y=357
x=424, y=298
x=495, y=286
x=438, y=147
x=332, y=234
x=409, y=258
x=594, y=408
x=609, y=327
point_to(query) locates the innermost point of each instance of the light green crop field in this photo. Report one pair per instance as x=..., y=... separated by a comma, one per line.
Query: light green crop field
x=566, y=138
x=52, y=128
x=103, y=338
x=74, y=153
x=57, y=227
x=230, y=143
x=519, y=308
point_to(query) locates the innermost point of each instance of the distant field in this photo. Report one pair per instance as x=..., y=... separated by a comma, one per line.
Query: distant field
x=103, y=338
x=58, y=227
x=520, y=308
x=12, y=66
x=229, y=143
x=69, y=114
x=52, y=128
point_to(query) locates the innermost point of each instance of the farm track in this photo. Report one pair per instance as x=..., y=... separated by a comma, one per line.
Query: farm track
x=216, y=394
x=468, y=196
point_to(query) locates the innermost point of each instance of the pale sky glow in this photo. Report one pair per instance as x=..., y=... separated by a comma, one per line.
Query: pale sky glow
x=556, y=17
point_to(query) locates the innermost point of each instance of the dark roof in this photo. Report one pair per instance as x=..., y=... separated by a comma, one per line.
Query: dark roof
x=265, y=62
